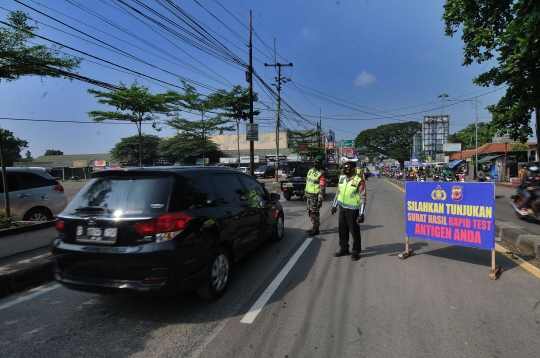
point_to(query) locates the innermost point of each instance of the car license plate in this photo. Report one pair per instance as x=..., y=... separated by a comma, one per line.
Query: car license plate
x=96, y=234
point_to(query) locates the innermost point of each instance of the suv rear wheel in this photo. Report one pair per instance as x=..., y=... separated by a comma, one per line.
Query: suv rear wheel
x=216, y=278
x=38, y=214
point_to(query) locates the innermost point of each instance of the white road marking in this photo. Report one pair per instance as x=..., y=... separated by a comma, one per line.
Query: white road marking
x=258, y=306
x=28, y=297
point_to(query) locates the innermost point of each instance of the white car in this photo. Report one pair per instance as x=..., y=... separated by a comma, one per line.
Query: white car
x=34, y=195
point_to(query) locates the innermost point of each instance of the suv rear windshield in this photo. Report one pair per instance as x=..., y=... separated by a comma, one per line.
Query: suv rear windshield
x=121, y=196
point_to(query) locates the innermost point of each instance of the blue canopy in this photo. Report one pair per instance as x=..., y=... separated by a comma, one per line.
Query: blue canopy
x=454, y=163
x=415, y=162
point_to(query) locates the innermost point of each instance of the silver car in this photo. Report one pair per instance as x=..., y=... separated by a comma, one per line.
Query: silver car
x=34, y=195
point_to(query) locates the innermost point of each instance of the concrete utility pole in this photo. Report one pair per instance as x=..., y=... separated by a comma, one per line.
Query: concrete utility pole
x=278, y=85
x=250, y=70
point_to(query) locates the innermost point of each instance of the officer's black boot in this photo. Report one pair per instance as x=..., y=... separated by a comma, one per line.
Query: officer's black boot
x=314, y=231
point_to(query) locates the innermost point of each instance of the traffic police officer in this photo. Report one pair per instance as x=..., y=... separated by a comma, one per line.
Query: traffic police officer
x=314, y=193
x=351, y=198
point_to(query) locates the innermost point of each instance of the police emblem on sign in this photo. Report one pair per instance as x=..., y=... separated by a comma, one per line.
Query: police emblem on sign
x=438, y=194
x=457, y=192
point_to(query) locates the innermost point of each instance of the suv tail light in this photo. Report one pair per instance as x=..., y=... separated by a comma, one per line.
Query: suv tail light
x=59, y=188
x=170, y=223
x=60, y=224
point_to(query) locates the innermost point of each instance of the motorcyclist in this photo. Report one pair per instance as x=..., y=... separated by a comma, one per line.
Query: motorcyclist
x=447, y=172
x=482, y=173
x=529, y=182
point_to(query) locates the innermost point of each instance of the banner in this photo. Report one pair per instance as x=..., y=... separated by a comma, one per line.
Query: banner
x=453, y=213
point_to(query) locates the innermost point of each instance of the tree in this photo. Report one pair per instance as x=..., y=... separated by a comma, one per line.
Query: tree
x=17, y=59
x=236, y=106
x=467, y=136
x=53, y=152
x=510, y=30
x=137, y=105
x=205, y=127
x=12, y=147
x=126, y=152
x=393, y=140
x=186, y=147
x=303, y=143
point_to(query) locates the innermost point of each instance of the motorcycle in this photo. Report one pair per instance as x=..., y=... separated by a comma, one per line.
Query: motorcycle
x=447, y=178
x=421, y=177
x=410, y=176
x=399, y=175
x=532, y=211
x=460, y=177
x=435, y=177
x=484, y=179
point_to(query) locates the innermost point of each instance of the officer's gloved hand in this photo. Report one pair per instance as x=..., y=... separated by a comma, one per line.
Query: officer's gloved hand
x=319, y=201
x=360, y=218
x=304, y=197
x=334, y=210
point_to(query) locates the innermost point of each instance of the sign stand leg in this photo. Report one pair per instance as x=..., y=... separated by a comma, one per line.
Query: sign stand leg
x=495, y=270
x=408, y=252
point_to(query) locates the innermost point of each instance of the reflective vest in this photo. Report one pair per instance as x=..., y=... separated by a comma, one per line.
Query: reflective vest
x=349, y=197
x=312, y=181
x=359, y=172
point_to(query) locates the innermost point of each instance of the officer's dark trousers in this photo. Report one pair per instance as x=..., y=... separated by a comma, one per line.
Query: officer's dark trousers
x=347, y=224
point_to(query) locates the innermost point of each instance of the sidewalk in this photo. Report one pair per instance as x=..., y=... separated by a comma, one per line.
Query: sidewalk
x=32, y=268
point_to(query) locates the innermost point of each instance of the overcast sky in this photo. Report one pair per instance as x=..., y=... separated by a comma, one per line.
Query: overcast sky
x=356, y=64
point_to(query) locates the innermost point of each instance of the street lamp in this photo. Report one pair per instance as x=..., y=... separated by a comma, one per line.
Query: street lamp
x=442, y=96
x=476, y=125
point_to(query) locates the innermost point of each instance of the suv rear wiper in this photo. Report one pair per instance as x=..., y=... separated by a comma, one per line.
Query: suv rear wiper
x=93, y=210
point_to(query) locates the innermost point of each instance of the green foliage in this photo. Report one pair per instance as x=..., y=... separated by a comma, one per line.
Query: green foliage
x=518, y=147
x=126, y=152
x=5, y=221
x=510, y=30
x=235, y=103
x=137, y=105
x=467, y=136
x=302, y=139
x=186, y=147
x=53, y=152
x=393, y=140
x=17, y=59
x=12, y=147
x=200, y=130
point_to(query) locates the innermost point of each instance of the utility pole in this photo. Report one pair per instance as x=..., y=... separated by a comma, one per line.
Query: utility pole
x=250, y=70
x=278, y=85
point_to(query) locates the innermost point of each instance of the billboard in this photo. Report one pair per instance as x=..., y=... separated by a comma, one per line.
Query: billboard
x=347, y=150
x=331, y=135
x=457, y=214
x=435, y=132
x=252, y=131
x=451, y=147
x=330, y=145
x=346, y=143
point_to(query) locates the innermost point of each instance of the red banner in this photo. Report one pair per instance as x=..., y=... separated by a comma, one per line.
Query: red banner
x=347, y=150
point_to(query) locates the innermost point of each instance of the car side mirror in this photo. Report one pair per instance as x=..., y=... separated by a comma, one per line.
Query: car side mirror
x=275, y=196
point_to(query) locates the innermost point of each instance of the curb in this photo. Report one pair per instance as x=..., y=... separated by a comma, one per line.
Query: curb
x=23, y=275
x=507, y=232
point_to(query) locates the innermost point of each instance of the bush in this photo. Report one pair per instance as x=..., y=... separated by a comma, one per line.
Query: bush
x=5, y=222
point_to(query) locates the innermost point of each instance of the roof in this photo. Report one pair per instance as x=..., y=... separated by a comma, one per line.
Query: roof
x=488, y=149
x=488, y=159
x=453, y=163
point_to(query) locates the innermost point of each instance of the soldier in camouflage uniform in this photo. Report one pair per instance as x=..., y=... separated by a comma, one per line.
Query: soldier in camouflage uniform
x=314, y=193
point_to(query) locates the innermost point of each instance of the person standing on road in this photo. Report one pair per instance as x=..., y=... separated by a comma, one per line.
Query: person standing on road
x=522, y=171
x=314, y=193
x=351, y=198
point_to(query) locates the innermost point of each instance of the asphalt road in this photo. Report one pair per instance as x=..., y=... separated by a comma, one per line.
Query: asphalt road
x=437, y=303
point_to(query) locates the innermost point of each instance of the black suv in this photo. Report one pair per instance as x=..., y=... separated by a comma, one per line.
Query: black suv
x=162, y=229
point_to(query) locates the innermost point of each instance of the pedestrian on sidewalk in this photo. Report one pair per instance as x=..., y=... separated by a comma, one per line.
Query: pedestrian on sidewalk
x=351, y=199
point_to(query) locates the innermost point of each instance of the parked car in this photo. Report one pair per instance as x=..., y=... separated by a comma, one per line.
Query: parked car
x=34, y=194
x=245, y=170
x=162, y=229
x=265, y=171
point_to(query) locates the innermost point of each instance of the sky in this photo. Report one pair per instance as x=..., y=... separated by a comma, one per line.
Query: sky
x=356, y=65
